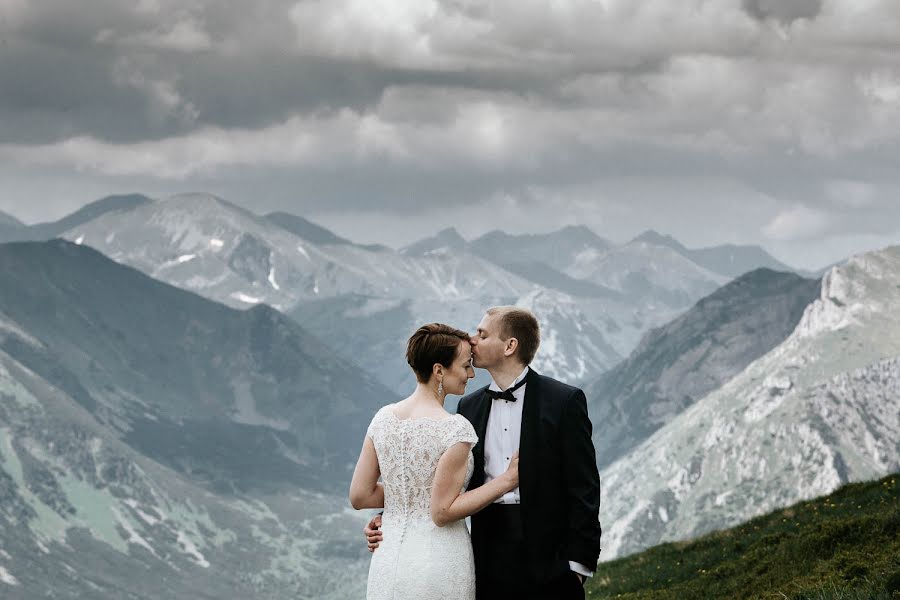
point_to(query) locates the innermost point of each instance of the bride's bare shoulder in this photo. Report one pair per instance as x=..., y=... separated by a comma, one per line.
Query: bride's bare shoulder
x=412, y=408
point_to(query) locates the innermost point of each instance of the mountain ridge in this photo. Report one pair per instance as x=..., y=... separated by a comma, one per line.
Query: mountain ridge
x=88, y=212
x=731, y=260
x=678, y=363
x=810, y=414
x=200, y=369
x=8, y=220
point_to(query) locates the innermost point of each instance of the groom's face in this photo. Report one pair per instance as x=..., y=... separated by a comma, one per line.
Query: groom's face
x=487, y=347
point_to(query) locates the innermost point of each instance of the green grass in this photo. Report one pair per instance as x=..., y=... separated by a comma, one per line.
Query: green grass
x=844, y=546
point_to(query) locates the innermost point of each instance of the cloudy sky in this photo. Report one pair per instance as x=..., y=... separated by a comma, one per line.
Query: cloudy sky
x=775, y=122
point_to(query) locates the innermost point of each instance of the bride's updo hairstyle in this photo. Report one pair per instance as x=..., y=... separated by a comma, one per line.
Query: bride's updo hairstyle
x=432, y=344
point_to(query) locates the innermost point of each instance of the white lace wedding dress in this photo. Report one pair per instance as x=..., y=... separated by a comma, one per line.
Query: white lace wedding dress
x=417, y=560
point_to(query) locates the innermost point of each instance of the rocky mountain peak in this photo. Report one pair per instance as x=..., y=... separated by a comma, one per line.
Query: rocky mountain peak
x=200, y=204
x=657, y=239
x=7, y=220
x=864, y=285
x=446, y=239
x=305, y=229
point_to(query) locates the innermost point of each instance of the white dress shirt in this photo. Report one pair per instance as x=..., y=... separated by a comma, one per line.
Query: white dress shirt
x=501, y=438
x=501, y=441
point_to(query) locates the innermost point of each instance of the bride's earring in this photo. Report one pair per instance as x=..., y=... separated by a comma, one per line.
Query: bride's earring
x=440, y=389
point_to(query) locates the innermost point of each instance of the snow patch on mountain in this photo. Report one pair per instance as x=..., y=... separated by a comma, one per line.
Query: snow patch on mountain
x=8, y=327
x=7, y=577
x=191, y=549
x=271, y=277
x=200, y=282
x=133, y=536
x=246, y=298
x=136, y=507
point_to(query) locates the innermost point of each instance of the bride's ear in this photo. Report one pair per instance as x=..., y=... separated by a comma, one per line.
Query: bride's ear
x=438, y=370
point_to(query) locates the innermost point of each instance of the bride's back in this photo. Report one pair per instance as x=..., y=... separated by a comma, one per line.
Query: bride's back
x=408, y=450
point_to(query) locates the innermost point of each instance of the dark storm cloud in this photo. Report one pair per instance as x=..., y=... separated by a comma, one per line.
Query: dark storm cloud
x=103, y=70
x=329, y=105
x=157, y=68
x=785, y=11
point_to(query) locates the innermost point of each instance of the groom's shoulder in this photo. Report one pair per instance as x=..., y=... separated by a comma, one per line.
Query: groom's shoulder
x=468, y=399
x=557, y=387
x=474, y=395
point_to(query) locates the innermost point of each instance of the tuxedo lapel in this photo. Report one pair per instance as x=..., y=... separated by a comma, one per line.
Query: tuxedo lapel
x=480, y=415
x=528, y=437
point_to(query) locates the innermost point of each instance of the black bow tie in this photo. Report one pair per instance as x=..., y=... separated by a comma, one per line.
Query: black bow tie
x=506, y=394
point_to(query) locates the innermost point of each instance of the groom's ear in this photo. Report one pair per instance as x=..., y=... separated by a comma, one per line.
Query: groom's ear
x=512, y=344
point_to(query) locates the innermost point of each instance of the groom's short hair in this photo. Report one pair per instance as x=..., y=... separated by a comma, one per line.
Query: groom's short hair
x=519, y=323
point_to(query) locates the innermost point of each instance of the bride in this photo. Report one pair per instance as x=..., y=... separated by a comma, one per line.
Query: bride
x=423, y=455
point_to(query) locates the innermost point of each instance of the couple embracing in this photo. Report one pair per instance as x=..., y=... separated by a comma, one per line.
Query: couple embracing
x=517, y=457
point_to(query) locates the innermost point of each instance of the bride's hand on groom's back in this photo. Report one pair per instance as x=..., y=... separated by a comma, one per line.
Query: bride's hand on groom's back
x=372, y=532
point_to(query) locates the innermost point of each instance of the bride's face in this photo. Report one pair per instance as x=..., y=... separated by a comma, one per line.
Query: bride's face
x=460, y=371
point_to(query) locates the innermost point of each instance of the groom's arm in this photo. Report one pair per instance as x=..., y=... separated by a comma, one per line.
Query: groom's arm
x=582, y=484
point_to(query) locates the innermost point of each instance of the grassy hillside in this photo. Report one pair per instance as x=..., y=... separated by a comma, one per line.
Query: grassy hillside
x=842, y=546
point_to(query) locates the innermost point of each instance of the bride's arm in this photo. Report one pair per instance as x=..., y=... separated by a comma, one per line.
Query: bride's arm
x=365, y=491
x=448, y=504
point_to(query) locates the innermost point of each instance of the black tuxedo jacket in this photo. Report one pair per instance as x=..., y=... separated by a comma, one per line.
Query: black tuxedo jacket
x=559, y=484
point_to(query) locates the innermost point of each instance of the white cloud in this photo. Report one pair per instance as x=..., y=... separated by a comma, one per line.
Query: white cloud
x=882, y=85
x=430, y=128
x=481, y=134
x=798, y=223
x=307, y=141
x=395, y=31
x=186, y=35
x=521, y=34
x=800, y=104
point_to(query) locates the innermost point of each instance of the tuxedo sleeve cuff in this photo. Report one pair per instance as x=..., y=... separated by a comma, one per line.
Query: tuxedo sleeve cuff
x=580, y=568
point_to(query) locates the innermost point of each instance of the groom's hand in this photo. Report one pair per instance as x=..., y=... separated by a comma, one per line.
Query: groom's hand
x=373, y=533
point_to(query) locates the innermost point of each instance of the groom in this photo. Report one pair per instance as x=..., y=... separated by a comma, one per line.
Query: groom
x=541, y=540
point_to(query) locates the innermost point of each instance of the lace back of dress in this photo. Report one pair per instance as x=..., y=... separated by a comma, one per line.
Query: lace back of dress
x=408, y=454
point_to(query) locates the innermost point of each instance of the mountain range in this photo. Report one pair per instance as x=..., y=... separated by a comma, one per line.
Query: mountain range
x=191, y=409
x=176, y=373
x=729, y=260
x=15, y=231
x=195, y=448
x=679, y=363
x=609, y=295
x=818, y=410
